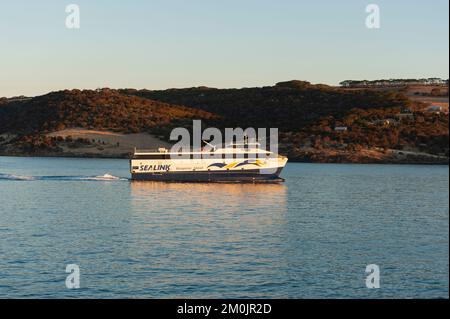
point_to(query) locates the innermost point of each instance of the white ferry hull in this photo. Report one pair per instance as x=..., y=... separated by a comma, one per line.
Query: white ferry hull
x=243, y=176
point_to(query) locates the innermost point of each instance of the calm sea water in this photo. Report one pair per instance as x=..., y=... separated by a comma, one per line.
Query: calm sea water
x=311, y=237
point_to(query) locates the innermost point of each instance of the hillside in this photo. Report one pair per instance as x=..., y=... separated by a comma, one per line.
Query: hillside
x=101, y=109
x=377, y=123
x=288, y=105
x=317, y=123
x=28, y=126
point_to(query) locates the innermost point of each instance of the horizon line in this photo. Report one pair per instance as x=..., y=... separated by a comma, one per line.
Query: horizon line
x=212, y=87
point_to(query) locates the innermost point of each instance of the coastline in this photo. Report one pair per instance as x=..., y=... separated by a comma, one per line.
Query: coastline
x=443, y=162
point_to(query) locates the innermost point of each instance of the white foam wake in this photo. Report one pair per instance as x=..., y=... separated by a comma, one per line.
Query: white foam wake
x=12, y=177
x=105, y=177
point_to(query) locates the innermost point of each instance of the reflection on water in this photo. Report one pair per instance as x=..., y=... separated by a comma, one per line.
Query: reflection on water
x=234, y=205
x=227, y=197
x=207, y=233
x=208, y=208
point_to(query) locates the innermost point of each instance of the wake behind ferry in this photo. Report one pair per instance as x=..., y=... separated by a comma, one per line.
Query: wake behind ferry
x=236, y=162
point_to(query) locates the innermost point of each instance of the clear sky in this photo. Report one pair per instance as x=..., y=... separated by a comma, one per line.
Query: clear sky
x=157, y=44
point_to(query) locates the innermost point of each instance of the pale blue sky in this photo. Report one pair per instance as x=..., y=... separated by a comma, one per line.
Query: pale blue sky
x=158, y=44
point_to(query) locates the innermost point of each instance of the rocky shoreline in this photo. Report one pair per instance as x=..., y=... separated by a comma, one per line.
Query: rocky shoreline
x=366, y=156
x=310, y=156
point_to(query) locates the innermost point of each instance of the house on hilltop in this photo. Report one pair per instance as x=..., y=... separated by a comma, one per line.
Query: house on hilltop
x=341, y=128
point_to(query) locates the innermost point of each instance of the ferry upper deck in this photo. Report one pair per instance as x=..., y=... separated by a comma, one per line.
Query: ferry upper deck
x=235, y=150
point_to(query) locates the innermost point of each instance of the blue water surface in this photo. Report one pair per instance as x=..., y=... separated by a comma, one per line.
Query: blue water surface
x=311, y=237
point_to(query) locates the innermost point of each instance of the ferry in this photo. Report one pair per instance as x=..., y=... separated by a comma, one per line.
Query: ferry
x=235, y=162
